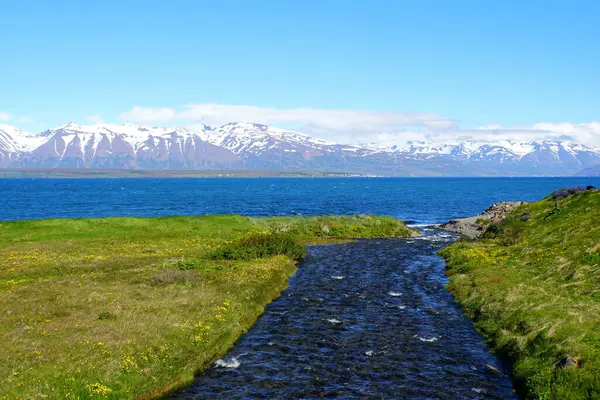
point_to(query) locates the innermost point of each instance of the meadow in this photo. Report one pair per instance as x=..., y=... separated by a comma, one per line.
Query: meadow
x=532, y=286
x=132, y=308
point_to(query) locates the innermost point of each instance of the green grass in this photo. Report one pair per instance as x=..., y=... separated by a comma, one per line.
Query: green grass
x=125, y=308
x=533, y=289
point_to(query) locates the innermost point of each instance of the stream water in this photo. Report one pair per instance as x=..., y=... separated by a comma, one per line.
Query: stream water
x=366, y=319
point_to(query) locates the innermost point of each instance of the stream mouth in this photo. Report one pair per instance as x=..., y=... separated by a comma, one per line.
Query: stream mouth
x=365, y=319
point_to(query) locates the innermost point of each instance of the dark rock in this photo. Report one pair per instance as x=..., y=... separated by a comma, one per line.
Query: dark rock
x=471, y=228
x=563, y=193
x=560, y=194
x=570, y=362
x=576, y=189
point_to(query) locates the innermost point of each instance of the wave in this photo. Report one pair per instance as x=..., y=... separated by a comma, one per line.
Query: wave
x=232, y=363
x=416, y=225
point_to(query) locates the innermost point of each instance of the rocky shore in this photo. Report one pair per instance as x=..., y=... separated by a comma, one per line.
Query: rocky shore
x=474, y=227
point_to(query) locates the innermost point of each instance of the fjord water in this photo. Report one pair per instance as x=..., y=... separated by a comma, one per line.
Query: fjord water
x=420, y=200
x=368, y=319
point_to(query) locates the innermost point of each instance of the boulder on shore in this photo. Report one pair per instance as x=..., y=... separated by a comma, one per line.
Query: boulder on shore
x=474, y=227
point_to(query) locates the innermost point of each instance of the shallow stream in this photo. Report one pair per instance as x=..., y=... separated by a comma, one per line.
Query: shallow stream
x=366, y=319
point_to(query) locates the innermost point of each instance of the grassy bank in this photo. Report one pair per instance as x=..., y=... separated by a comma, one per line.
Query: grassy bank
x=533, y=289
x=130, y=308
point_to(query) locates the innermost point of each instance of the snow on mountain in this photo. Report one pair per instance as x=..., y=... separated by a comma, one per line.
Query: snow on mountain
x=263, y=146
x=509, y=149
x=14, y=139
x=127, y=146
x=256, y=146
x=131, y=133
x=254, y=139
x=14, y=142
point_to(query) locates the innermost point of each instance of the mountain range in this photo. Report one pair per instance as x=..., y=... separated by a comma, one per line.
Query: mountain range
x=255, y=146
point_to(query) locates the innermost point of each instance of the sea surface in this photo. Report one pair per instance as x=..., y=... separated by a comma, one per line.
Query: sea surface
x=416, y=200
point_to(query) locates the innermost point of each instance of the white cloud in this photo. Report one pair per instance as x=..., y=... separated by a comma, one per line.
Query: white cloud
x=94, y=118
x=5, y=116
x=25, y=120
x=587, y=132
x=334, y=120
x=360, y=126
x=144, y=115
x=584, y=133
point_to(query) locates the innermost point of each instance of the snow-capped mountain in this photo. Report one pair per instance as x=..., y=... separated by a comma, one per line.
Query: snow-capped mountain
x=262, y=146
x=14, y=142
x=125, y=146
x=256, y=146
x=548, y=157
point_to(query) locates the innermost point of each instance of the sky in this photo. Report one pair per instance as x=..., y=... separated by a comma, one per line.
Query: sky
x=351, y=70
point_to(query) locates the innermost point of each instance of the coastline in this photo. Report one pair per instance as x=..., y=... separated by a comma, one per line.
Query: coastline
x=474, y=227
x=83, y=173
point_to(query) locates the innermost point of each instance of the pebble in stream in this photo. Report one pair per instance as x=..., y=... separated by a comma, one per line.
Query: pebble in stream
x=366, y=319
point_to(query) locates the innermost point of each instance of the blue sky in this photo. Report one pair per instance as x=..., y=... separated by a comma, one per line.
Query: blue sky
x=507, y=63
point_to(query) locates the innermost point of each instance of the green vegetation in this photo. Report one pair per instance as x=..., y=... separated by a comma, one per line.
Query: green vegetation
x=482, y=221
x=125, y=308
x=260, y=245
x=532, y=286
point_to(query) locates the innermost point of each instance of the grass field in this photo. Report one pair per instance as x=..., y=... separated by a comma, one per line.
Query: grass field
x=131, y=308
x=533, y=289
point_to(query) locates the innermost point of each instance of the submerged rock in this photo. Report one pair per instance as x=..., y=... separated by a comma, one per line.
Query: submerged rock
x=494, y=370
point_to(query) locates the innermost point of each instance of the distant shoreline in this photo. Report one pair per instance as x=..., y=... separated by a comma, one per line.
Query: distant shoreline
x=145, y=173
x=132, y=173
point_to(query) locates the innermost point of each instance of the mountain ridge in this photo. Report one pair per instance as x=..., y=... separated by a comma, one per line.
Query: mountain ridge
x=239, y=145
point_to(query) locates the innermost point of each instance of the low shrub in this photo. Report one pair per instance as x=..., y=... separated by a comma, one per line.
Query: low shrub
x=494, y=230
x=508, y=231
x=482, y=221
x=592, y=258
x=258, y=245
x=465, y=239
x=106, y=315
x=512, y=234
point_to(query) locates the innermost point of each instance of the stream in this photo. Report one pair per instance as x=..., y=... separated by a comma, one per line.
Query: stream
x=365, y=319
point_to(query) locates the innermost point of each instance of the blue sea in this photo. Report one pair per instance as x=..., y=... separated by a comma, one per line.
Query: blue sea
x=416, y=200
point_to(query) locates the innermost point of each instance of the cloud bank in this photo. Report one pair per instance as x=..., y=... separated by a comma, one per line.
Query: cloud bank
x=360, y=126
x=94, y=118
x=4, y=116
